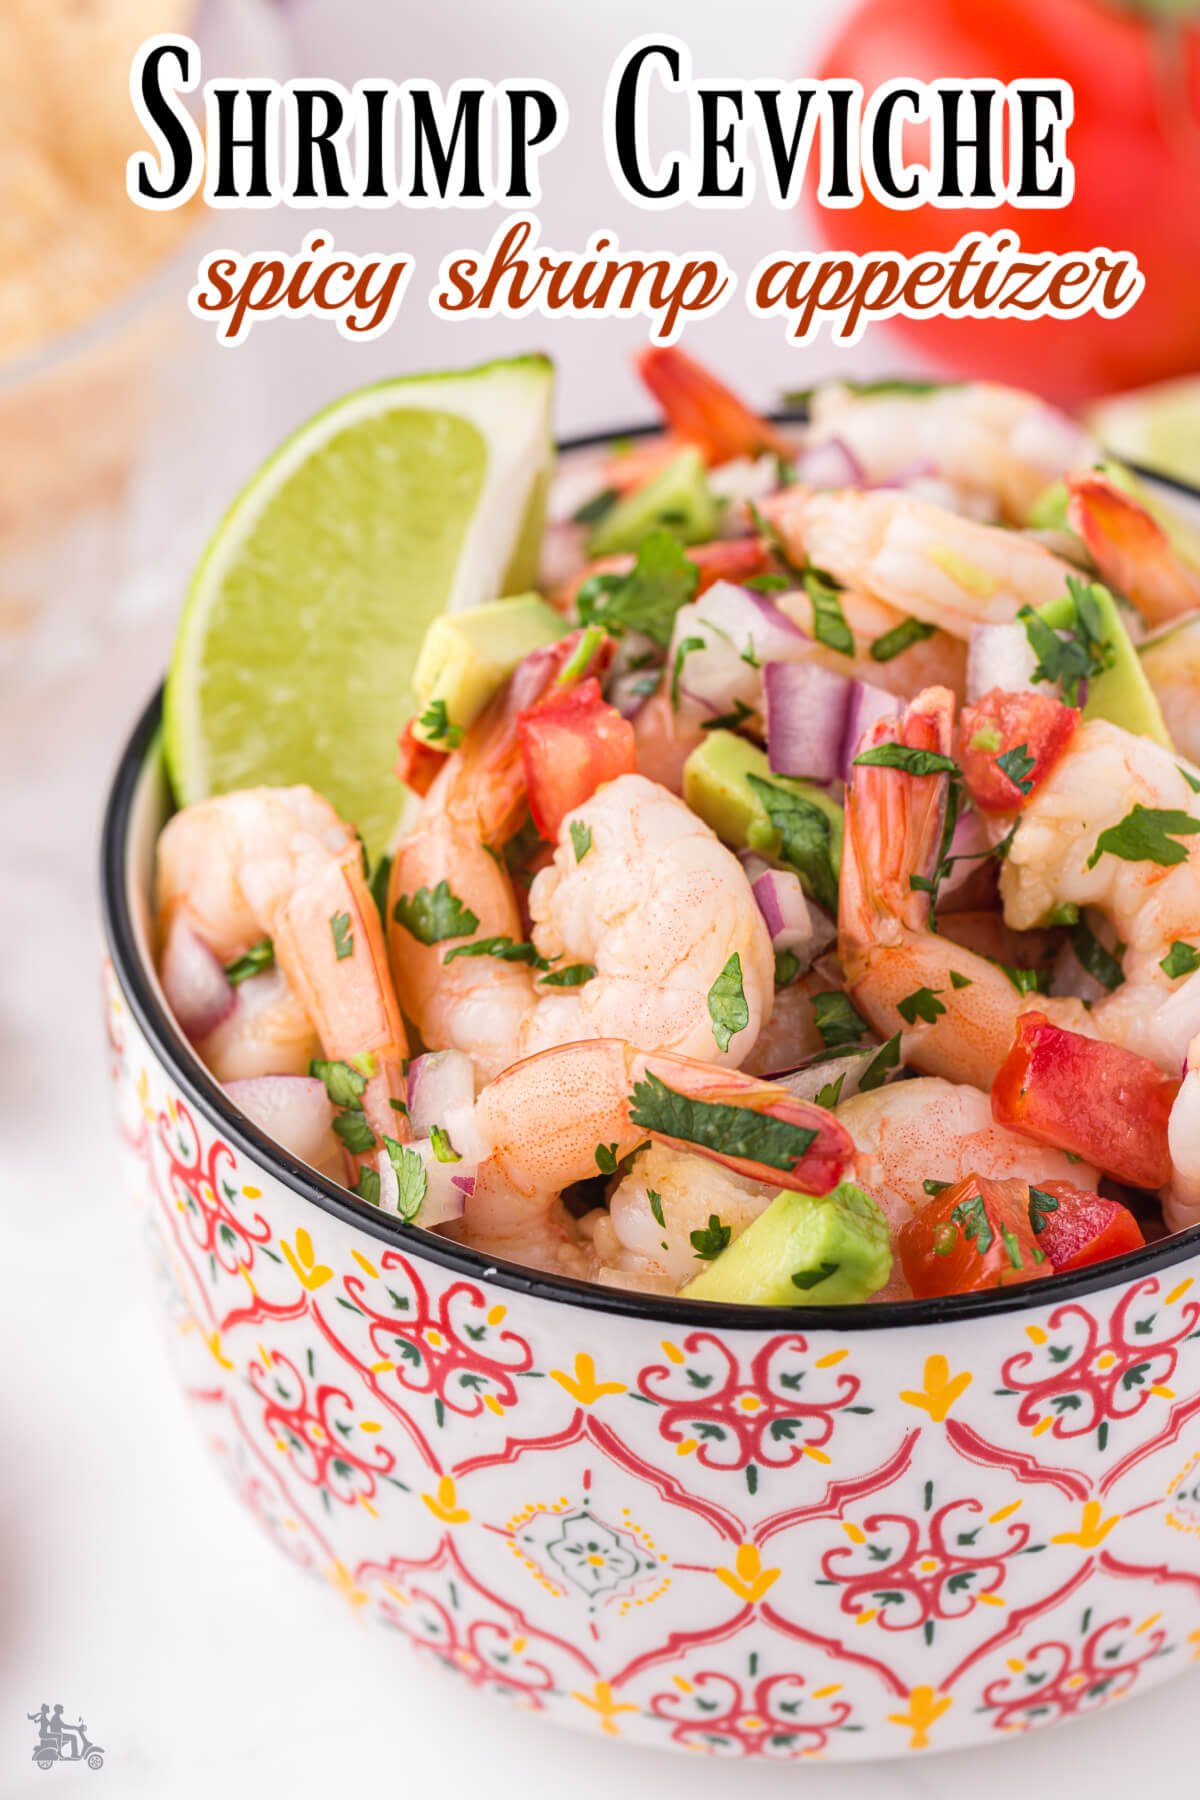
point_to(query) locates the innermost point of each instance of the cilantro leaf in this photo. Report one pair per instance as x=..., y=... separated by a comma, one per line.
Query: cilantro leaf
x=656, y=1207
x=731, y=1130
x=411, y=1179
x=351, y=1126
x=1041, y=1205
x=1181, y=959
x=805, y=839
x=1190, y=779
x=829, y=1095
x=343, y=936
x=443, y=1149
x=661, y=581
x=435, y=723
x=1017, y=764
x=727, y=1006
x=710, y=1242
x=572, y=975
x=343, y=1084
x=903, y=756
x=1092, y=955
x=1146, y=835
x=1076, y=652
x=367, y=1186
x=502, y=948
x=836, y=1019
x=1026, y=981
x=581, y=838
x=933, y=1188
x=958, y=980
x=901, y=638
x=606, y=1158
x=971, y=1214
x=811, y=1278
x=731, y=720
x=886, y=1058
x=379, y=878
x=787, y=967
x=434, y=917
x=829, y=621
x=595, y=509
x=253, y=961
x=922, y=1003
x=683, y=651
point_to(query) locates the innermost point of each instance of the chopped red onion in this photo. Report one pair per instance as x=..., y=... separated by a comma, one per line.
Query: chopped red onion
x=783, y=907
x=999, y=656
x=867, y=704
x=629, y=692
x=753, y=864
x=806, y=1083
x=806, y=719
x=748, y=617
x=295, y=1110
x=829, y=464
x=445, y=1193
x=464, y=1183
x=440, y=1084
x=197, y=988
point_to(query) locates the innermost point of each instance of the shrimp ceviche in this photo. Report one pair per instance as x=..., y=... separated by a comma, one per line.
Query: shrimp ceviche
x=797, y=901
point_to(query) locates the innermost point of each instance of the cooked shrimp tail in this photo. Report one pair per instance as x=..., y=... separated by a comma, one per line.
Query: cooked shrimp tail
x=1132, y=551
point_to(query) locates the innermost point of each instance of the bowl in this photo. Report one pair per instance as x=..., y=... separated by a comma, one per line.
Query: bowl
x=846, y=1533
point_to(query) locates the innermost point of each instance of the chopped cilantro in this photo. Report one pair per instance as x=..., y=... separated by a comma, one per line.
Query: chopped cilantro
x=805, y=838
x=734, y=1131
x=343, y=936
x=787, y=967
x=1191, y=780
x=1017, y=764
x=766, y=584
x=1096, y=958
x=443, y=1149
x=570, y=976
x=342, y=1083
x=656, y=1207
x=886, y=1058
x=1026, y=981
x=811, y=1278
x=829, y=621
x=595, y=509
x=971, y=1214
x=258, y=957
x=646, y=599
x=351, y=1126
x=750, y=655
x=434, y=917
x=710, y=1242
x=436, y=724
x=1011, y=1246
x=958, y=980
x=933, y=1188
x=922, y=1003
x=836, y=1019
x=903, y=756
x=727, y=1006
x=1075, y=653
x=829, y=1095
x=683, y=650
x=1181, y=959
x=729, y=721
x=1146, y=835
x=581, y=838
x=379, y=878
x=502, y=948
x=367, y=1187
x=411, y=1179
x=1041, y=1205
x=901, y=638
x=606, y=1158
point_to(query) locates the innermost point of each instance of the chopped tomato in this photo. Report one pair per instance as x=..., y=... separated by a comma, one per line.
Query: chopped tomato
x=1083, y=1227
x=416, y=761
x=703, y=411
x=976, y=1234
x=571, y=742
x=1010, y=743
x=1105, y=1104
x=725, y=559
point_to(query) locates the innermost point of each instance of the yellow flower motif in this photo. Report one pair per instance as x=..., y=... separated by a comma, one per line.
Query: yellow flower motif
x=601, y=1701
x=941, y=1389
x=583, y=1386
x=340, y=1577
x=213, y=1340
x=305, y=1266
x=1193, y=1639
x=444, y=1504
x=925, y=1708
x=1093, y=1527
x=748, y=1579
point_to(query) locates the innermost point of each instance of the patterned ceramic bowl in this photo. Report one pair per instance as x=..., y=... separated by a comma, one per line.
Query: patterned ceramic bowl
x=822, y=1532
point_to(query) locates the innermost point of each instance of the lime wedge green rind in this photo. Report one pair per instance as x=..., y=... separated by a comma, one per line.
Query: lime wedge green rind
x=295, y=652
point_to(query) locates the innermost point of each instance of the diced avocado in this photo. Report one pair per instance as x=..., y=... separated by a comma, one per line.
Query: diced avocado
x=678, y=499
x=1049, y=510
x=804, y=1250
x=716, y=786
x=1120, y=694
x=467, y=655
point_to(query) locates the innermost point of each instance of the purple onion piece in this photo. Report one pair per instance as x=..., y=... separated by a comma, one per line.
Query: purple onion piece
x=999, y=656
x=439, y=1083
x=829, y=464
x=784, y=909
x=865, y=706
x=295, y=1110
x=806, y=719
x=197, y=988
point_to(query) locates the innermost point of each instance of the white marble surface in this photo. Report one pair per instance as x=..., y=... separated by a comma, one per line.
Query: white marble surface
x=132, y=1589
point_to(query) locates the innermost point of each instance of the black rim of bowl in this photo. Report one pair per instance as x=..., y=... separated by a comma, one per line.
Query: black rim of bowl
x=200, y=1088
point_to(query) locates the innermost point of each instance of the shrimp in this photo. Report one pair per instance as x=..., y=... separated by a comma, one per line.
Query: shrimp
x=890, y=955
x=1181, y=1197
x=927, y=563
x=1101, y=776
x=937, y=661
x=656, y=906
x=644, y=1240
x=1134, y=552
x=1171, y=664
x=555, y=1118
x=988, y=440
x=929, y=1130
x=279, y=863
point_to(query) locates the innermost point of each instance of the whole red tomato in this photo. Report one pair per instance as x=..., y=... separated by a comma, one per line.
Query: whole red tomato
x=1135, y=144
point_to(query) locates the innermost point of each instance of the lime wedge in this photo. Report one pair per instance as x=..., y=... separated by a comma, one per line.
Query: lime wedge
x=295, y=652
x=1158, y=426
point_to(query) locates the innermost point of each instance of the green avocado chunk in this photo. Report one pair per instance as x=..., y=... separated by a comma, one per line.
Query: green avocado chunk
x=822, y=1251
x=718, y=785
x=678, y=499
x=1120, y=694
x=467, y=656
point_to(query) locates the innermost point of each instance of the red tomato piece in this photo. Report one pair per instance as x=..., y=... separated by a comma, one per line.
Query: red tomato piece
x=571, y=742
x=1030, y=730
x=703, y=411
x=1083, y=1228
x=1105, y=1104
x=976, y=1234
x=416, y=761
